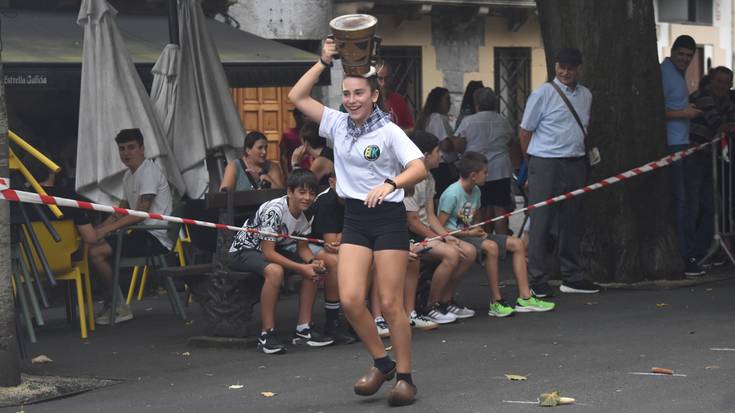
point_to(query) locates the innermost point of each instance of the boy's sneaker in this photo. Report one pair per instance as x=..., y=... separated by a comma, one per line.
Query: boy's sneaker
x=441, y=315
x=533, y=304
x=579, y=287
x=123, y=313
x=500, y=309
x=421, y=322
x=311, y=338
x=382, y=326
x=692, y=269
x=542, y=290
x=339, y=332
x=460, y=311
x=268, y=343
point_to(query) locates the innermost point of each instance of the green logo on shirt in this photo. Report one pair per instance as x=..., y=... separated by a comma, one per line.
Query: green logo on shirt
x=371, y=153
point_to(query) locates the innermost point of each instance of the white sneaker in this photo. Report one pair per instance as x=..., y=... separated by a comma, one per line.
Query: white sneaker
x=437, y=316
x=382, y=327
x=461, y=312
x=421, y=322
x=124, y=313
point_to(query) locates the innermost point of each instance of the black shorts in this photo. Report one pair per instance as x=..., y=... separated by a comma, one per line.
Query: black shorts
x=381, y=228
x=496, y=193
x=138, y=243
x=443, y=177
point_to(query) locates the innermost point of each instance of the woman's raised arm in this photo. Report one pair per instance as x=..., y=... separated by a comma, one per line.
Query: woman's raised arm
x=300, y=94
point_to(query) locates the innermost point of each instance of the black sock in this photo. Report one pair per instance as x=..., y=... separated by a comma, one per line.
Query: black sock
x=331, y=310
x=384, y=364
x=404, y=376
x=443, y=307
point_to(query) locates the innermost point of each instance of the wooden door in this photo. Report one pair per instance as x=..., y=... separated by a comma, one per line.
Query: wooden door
x=265, y=109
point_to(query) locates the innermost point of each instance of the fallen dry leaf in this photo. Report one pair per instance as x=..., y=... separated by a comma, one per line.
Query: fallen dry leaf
x=549, y=399
x=661, y=305
x=515, y=377
x=236, y=386
x=42, y=359
x=554, y=399
x=267, y=394
x=662, y=370
x=712, y=367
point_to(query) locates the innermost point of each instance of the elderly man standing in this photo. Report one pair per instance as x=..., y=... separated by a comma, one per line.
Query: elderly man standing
x=553, y=139
x=678, y=114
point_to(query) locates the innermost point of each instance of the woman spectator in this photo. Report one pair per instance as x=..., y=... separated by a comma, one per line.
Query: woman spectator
x=315, y=148
x=435, y=120
x=468, y=105
x=252, y=170
x=290, y=141
x=490, y=134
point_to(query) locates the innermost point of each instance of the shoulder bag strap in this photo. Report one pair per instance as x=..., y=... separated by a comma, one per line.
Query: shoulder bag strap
x=571, y=108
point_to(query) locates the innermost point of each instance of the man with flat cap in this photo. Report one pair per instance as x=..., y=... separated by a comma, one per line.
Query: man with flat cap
x=552, y=135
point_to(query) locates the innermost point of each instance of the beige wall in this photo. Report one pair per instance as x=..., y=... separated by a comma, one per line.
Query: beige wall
x=413, y=33
x=418, y=33
x=497, y=35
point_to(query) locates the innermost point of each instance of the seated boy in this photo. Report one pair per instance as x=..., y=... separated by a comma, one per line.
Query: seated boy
x=459, y=208
x=271, y=257
x=454, y=256
x=328, y=214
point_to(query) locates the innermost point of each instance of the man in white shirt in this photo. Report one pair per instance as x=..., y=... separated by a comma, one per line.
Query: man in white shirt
x=145, y=189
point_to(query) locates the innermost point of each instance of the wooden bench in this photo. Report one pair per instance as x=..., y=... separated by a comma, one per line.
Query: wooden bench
x=226, y=297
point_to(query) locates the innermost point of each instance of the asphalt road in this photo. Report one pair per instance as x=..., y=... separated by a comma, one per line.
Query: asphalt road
x=586, y=349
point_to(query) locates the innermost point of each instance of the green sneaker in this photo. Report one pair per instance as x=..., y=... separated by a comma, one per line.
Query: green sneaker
x=500, y=309
x=533, y=304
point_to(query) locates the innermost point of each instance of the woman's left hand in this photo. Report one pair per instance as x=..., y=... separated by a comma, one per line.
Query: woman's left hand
x=378, y=194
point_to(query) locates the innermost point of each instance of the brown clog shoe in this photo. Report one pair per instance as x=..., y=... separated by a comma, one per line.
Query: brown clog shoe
x=402, y=394
x=370, y=383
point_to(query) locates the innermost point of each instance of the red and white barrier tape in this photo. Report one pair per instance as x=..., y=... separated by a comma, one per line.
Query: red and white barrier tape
x=31, y=197
x=665, y=161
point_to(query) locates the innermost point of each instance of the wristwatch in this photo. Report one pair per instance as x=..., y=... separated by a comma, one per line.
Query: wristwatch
x=391, y=182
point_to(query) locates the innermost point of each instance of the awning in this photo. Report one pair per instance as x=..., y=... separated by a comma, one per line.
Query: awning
x=44, y=50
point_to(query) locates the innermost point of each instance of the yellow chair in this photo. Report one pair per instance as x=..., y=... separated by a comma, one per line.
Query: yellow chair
x=65, y=268
x=178, y=248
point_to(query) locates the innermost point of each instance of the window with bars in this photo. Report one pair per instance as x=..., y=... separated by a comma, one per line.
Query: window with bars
x=406, y=64
x=512, y=81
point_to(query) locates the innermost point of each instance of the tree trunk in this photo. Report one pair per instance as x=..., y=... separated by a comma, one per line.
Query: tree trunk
x=629, y=227
x=9, y=362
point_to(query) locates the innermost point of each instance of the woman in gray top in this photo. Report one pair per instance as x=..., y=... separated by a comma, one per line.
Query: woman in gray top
x=490, y=134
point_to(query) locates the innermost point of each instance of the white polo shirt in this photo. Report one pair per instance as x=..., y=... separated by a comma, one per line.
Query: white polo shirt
x=366, y=162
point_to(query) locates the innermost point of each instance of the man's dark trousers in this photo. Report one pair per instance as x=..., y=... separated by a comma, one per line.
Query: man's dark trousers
x=549, y=177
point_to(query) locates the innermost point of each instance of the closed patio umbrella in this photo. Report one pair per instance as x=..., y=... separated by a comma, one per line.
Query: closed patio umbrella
x=205, y=118
x=112, y=98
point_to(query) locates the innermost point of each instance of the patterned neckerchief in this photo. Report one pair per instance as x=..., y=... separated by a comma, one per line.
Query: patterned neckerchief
x=375, y=121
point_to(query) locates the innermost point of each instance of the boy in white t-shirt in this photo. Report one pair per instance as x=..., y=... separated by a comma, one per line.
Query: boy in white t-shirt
x=272, y=256
x=459, y=208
